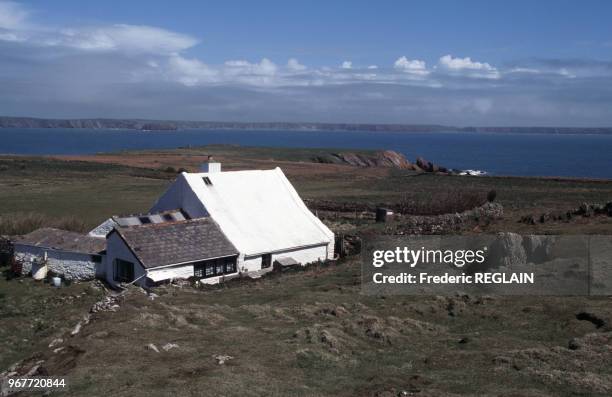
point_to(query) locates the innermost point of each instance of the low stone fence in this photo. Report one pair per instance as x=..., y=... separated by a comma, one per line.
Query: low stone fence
x=440, y=224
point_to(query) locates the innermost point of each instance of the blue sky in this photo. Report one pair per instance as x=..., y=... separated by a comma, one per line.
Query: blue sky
x=447, y=62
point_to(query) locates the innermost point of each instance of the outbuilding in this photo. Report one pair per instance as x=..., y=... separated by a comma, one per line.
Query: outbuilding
x=150, y=253
x=72, y=255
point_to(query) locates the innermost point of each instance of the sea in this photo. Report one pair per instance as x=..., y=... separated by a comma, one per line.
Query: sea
x=524, y=154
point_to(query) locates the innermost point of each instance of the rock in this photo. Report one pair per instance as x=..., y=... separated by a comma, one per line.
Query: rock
x=538, y=248
x=55, y=342
x=507, y=250
x=169, y=346
x=152, y=347
x=222, y=359
x=574, y=344
x=108, y=304
x=76, y=329
x=387, y=158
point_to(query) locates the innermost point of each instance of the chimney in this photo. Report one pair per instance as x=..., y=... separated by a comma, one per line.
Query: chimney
x=210, y=166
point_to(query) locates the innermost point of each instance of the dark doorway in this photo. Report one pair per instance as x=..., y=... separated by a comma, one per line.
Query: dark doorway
x=124, y=271
x=266, y=261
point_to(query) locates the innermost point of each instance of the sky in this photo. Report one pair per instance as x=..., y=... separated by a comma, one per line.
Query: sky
x=468, y=63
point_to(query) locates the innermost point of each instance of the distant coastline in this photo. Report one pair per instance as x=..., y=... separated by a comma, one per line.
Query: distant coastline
x=173, y=125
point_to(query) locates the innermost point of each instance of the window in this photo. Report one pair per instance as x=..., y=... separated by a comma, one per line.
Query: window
x=230, y=265
x=266, y=261
x=219, y=266
x=168, y=217
x=214, y=267
x=144, y=220
x=96, y=258
x=207, y=180
x=124, y=271
x=209, y=270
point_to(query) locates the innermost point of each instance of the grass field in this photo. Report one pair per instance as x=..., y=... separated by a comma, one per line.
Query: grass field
x=312, y=333
x=92, y=188
x=308, y=332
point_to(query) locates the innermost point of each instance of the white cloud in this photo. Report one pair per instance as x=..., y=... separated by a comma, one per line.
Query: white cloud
x=12, y=15
x=126, y=38
x=468, y=67
x=567, y=73
x=524, y=70
x=411, y=66
x=372, y=67
x=188, y=72
x=294, y=65
x=241, y=67
x=346, y=65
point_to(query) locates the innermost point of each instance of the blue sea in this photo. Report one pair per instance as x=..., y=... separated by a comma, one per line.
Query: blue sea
x=587, y=156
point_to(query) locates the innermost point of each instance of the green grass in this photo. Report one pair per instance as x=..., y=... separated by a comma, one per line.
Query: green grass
x=85, y=191
x=312, y=333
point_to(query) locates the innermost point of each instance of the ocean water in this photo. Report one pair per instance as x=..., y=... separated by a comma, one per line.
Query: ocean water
x=588, y=156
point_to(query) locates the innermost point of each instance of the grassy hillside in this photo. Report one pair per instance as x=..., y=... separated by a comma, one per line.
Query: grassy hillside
x=312, y=333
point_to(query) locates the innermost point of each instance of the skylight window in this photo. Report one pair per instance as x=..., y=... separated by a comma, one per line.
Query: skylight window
x=207, y=181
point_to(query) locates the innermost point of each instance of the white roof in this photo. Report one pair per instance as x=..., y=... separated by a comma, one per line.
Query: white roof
x=258, y=210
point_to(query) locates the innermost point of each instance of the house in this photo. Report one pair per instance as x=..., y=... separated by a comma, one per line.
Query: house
x=259, y=211
x=149, y=253
x=73, y=255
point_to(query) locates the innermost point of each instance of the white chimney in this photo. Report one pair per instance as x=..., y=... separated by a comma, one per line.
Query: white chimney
x=210, y=166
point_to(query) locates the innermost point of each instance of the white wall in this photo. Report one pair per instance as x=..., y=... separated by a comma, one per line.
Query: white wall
x=182, y=271
x=180, y=196
x=117, y=249
x=302, y=255
x=72, y=265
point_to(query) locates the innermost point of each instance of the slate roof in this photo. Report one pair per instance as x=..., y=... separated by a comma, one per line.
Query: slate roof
x=63, y=240
x=177, y=242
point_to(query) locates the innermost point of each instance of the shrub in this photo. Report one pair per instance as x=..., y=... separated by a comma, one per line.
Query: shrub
x=491, y=196
x=20, y=223
x=449, y=202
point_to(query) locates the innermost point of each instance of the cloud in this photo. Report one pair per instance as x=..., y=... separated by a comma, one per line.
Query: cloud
x=241, y=67
x=294, y=65
x=12, y=15
x=189, y=72
x=125, y=70
x=346, y=65
x=411, y=66
x=467, y=66
x=122, y=37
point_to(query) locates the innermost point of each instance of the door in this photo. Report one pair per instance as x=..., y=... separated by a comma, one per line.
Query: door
x=124, y=271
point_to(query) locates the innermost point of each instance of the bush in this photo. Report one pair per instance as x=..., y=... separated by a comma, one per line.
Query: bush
x=449, y=202
x=491, y=196
x=16, y=224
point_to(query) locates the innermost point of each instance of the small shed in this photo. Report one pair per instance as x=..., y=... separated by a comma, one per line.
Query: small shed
x=73, y=255
x=147, y=254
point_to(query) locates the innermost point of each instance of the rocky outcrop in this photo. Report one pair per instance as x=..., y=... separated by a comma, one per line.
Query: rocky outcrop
x=387, y=158
x=428, y=166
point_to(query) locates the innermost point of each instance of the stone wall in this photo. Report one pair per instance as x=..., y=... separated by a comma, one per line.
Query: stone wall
x=440, y=224
x=70, y=265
